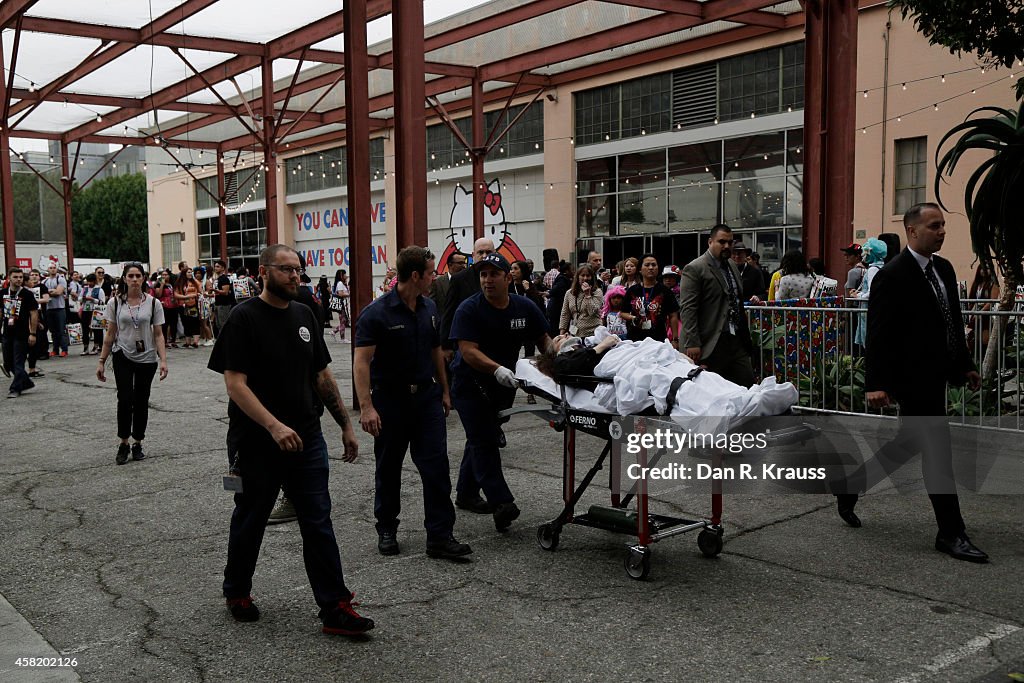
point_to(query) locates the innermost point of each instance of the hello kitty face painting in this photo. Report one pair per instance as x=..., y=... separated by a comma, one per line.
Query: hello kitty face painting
x=495, y=226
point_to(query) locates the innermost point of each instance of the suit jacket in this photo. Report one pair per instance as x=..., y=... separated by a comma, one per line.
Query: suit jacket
x=753, y=282
x=906, y=340
x=704, y=304
x=463, y=285
x=439, y=290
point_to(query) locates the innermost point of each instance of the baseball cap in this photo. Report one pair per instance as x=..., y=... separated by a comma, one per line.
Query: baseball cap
x=671, y=270
x=496, y=260
x=851, y=248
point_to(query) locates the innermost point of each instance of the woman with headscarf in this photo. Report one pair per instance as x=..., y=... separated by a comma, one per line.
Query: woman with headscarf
x=873, y=254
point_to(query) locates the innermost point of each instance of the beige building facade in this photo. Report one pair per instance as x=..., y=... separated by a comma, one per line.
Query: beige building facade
x=648, y=186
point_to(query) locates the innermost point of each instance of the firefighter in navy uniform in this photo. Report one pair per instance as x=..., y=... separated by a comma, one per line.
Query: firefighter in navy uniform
x=403, y=394
x=490, y=328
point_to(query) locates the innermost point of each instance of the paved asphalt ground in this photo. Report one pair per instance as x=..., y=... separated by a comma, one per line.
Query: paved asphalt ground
x=120, y=569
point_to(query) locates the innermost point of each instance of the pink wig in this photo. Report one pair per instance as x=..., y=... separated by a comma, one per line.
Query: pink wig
x=614, y=290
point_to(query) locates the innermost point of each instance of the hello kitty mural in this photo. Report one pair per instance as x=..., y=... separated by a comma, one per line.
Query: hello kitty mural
x=460, y=238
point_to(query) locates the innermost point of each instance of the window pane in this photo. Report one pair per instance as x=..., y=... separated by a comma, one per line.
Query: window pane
x=694, y=164
x=595, y=176
x=794, y=200
x=757, y=155
x=593, y=215
x=753, y=203
x=641, y=212
x=795, y=150
x=642, y=170
x=695, y=207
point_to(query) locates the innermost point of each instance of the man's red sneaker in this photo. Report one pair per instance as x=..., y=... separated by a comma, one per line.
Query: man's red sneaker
x=243, y=609
x=344, y=621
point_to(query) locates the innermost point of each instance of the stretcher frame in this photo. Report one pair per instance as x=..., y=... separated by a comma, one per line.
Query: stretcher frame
x=649, y=528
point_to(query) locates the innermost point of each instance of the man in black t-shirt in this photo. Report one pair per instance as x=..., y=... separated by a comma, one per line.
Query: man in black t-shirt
x=650, y=307
x=490, y=329
x=224, y=298
x=273, y=357
x=20, y=319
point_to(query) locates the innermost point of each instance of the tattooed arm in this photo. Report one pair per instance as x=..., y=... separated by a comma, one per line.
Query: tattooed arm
x=327, y=390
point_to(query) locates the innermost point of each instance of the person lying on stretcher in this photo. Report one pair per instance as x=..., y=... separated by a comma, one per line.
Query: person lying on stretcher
x=645, y=372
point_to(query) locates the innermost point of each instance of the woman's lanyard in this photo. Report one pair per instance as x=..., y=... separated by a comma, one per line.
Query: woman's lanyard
x=135, y=314
x=647, y=294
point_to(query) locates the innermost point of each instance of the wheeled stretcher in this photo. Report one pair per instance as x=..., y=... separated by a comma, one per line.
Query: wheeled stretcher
x=638, y=522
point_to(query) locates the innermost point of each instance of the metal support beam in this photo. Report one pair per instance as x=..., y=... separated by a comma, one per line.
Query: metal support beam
x=12, y=9
x=269, y=150
x=222, y=216
x=6, y=182
x=479, y=154
x=66, y=180
x=830, y=67
x=101, y=56
x=410, y=131
x=357, y=133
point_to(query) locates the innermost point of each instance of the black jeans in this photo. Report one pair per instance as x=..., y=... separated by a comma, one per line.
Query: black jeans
x=134, y=381
x=304, y=476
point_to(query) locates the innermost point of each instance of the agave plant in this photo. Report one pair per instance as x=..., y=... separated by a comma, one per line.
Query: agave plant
x=991, y=197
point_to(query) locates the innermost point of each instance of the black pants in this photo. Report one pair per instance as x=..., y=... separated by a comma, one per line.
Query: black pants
x=171, y=324
x=924, y=429
x=87, y=333
x=304, y=475
x=134, y=381
x=731, y=360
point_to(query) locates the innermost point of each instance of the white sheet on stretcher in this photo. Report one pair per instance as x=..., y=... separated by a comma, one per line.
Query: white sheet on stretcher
x=644, y=371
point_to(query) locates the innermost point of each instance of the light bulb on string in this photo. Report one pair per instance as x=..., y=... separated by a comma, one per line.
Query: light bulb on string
x=943, y=78
x=865, y=94
x=527, y=186
x=904, y=86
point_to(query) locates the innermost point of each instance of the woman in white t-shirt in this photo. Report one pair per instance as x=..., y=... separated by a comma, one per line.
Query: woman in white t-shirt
x=136, y=339
x=341, y=292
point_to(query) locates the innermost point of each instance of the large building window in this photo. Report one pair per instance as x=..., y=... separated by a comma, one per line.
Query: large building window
x=170, y=248
x=753, y=183
x=911, y=173
x=768, y=81
x=764, y=82
x=327, y=169
x=445, y=150
x=246, y=237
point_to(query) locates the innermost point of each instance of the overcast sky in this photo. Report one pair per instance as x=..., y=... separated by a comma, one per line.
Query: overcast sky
x=245, y=24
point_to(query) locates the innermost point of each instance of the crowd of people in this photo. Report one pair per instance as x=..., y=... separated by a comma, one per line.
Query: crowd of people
x=427, y=345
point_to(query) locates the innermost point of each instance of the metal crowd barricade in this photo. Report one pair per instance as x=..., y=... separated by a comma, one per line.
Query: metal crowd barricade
x=813, y=344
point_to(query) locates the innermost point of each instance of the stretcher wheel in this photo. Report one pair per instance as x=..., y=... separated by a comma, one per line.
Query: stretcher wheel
x=638, y=564
x=547, y=537
x=710, y=542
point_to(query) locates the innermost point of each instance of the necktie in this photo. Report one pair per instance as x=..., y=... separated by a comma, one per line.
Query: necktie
x=734, y=311
x=947, y=315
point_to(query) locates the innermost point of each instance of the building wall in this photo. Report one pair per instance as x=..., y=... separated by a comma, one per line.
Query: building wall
x=172, y=208
x=910, y=58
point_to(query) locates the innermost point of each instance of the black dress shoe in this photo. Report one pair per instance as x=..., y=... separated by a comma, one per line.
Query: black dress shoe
x=501, y=438
x=477, y=505
x=448, y=549
x=387, y=543
x=504, y=515
x=850, y=517
x=845, y=504
x=961, y=548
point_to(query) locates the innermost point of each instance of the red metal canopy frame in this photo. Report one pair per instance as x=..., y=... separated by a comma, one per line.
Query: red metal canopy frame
x=270, y=123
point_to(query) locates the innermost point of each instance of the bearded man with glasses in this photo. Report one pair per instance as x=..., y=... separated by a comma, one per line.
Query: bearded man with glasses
x=272, y=354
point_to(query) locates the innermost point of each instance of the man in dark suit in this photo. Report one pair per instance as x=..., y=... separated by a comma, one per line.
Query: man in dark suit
x=915, y=345
x=456, y=263
x=715, y=332
x=463, y=286
x=750, y=276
